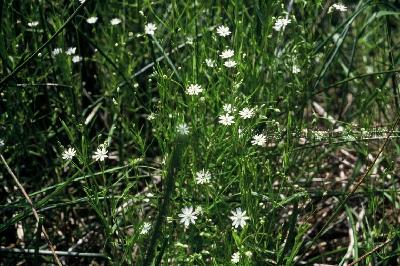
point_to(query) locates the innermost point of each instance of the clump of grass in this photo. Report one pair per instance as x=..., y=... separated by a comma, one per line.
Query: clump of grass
x=199, y=132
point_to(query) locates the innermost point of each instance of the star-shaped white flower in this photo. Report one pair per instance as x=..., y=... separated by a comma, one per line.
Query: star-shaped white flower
x=188, y=216
x=150, y=28
x=281, y=23
x=100, y=154
x=92, y=20
x=295, y=69
x=115, y=21
x=226, y=119
x=223, y=31
x=70, y=51
x=239, y=218
x=230, y=64
x=183, y=129
x=33, y=24
x=203, y=177
x=151, y=117
x=68, y=154
x=210, y=62
x=227, y=54
x=246, y=113
x=145, y=228
x=56, y=51
x=229, y=108
x=248, y=253
x=194, y=89
x=260, y=140
x=235, y=257
x=76, y=59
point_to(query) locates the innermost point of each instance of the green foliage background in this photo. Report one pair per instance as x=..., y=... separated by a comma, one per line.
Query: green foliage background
x=129, y=91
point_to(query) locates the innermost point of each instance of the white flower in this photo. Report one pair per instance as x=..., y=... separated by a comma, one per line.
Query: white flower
x=145, y=228
x=150, y=28
x=189, y=40
x=70, y=51
x=230, y=63
x=115, y=21
x=210, y=62
x=199, y=210
x=281, y=23
x=223, y=31
x=203, y=177
x=228, y=108
x=235, y=257
x=246, y=113
x=248, y=254
x=100, y=154
x=226, y=119
x=56, y=51
x=194, y=89
x=227, y=54
x=1, y=143
x=188, y=216
x=259, y=140
x=68, y=154
x=339, y=7
x=76, y=59
x=92, y=20
x=33, y=24
x=239, y=218
x=183, y=129
x=295, y=69
x=151, y=117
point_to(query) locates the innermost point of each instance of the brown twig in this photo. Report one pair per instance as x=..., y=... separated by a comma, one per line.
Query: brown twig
x=35, y=214
x=370, y=252
x=48, y=252
x=354, y=189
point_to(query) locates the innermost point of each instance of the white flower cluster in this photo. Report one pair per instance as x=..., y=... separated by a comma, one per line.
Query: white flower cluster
x=337, y=7
x=70, y=51
x=227, y=119
x=189, y=215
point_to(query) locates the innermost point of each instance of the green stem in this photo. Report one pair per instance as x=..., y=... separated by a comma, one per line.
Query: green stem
x=30, y=58
x=173, y=167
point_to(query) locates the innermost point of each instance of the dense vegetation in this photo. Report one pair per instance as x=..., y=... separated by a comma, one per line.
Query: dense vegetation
x=195, y=132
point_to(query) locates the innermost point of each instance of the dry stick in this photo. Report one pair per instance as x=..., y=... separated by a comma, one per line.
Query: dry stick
x=48, y=252
x=334, y=214
x=370, y=252
x=46, y=236
x=49, y=84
